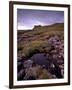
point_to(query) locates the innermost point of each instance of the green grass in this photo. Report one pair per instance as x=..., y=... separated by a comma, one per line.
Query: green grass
x=34, y=47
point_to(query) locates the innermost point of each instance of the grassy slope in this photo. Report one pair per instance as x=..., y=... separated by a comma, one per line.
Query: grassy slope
x=35, y=40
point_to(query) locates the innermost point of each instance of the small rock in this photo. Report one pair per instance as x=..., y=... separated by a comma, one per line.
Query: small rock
x=52, y=65
x=28, y=63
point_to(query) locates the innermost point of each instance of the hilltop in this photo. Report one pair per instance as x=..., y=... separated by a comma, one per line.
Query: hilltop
x=41, y=32
x=38, y=27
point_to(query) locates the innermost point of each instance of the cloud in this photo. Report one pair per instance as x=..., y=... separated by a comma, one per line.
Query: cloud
x=27, y=18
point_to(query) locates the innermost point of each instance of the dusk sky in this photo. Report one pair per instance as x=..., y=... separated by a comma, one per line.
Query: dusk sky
x=27, y=18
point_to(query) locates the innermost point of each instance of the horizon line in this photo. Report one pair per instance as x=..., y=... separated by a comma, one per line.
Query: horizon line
x=40, y=25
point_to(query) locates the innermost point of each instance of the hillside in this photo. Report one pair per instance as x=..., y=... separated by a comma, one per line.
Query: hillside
x=40, y=32
x=41, y=47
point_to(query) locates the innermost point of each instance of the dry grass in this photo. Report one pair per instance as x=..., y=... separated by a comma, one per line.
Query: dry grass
x=33, y=41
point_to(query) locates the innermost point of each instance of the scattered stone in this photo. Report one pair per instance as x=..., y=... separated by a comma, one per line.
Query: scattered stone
x=55, y=55
x=28, y=63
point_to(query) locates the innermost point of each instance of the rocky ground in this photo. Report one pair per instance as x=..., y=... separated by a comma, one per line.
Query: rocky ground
x=34, y=48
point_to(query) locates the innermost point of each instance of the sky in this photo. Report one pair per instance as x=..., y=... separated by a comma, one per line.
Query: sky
x=27, y=18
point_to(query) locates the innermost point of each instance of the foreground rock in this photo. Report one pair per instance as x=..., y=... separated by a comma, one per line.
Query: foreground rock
x=39, y=69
